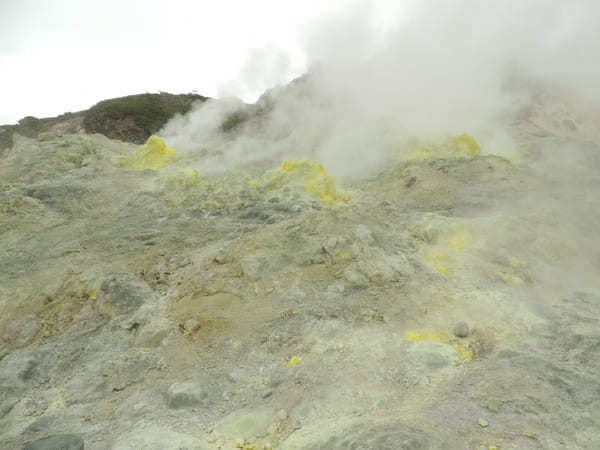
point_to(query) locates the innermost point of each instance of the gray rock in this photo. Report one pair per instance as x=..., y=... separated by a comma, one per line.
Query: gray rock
x=17, y=369
x=461, y=329
x=267, y=393
x=355, y=277
x=41, y=424
x=58, y=442
x=125, y=291
x=248, y=423
x=186, y=395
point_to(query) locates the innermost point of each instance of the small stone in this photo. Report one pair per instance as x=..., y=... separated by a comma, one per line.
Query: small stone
x=482, y=422
x=191, y=325
x=61, y=441
x=267, y=393
x=461, y=329
x=220, y=256
x=410, y=181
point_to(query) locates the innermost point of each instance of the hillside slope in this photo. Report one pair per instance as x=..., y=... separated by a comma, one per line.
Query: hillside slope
x=451, y=301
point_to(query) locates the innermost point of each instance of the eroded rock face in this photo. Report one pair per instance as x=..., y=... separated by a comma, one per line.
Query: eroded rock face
x=168, y=307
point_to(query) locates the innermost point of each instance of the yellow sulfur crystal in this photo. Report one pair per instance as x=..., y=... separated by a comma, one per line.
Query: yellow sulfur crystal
x=154, y=155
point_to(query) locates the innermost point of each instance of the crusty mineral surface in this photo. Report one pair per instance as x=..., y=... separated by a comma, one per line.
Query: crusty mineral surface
x=146, y=304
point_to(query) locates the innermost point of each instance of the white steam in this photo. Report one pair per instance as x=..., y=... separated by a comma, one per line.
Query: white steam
x=380, y=72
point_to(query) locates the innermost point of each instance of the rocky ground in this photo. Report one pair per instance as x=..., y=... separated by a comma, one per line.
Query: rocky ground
x=449, y=302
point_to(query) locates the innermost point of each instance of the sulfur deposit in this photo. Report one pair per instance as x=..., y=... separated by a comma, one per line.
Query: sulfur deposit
x=305, y=177
x=154, y=155
x=463, y=352
x=462, y=145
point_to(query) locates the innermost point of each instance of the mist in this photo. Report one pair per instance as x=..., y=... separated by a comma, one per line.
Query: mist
x=379, y=73
x=521, y=77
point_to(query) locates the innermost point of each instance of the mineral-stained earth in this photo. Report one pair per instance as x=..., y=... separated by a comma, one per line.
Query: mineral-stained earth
x=449, y=301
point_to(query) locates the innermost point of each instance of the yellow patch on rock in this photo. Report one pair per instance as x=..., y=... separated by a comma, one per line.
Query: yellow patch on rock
x=463, y=145
x=154, y=155
x=438, y=260
x=515, y=272
x=460, y=240
x=310, y=176
x=293, y=362
x=449, y=244
x=184, y=179
x=462, y=351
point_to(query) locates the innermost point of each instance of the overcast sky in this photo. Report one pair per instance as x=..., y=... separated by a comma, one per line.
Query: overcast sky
x=66, y=55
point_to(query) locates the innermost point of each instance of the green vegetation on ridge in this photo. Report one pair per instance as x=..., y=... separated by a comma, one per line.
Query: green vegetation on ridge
x=133, y=118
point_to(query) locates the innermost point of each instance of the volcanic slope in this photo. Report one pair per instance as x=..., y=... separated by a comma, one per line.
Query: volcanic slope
x=145, y=304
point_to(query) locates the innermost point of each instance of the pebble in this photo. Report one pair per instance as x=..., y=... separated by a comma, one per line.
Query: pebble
x=191, y=325
x=461, y=329
x=482, y=422
x=267, y=393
